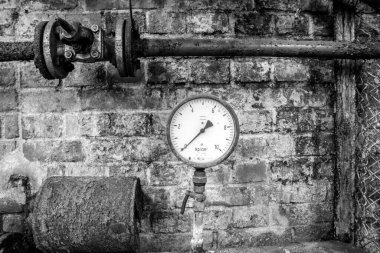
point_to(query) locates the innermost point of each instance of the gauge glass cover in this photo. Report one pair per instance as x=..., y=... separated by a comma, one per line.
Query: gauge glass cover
x=203, y=131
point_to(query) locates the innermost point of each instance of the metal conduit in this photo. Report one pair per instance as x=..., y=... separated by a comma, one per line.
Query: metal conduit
x=23, y=51
x=258, y=47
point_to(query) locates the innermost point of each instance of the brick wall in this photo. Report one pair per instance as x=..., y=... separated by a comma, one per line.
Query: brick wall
x=276, y=188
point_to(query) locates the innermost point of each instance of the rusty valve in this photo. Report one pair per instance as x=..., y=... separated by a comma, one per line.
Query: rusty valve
x=199, y=181
x=197, y=196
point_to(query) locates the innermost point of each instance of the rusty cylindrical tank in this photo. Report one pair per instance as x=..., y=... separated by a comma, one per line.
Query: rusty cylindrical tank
x=87, y=214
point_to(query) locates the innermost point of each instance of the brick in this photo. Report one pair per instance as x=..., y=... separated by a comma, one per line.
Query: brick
x=129, y=149
x=254, y=237
x=118, y=4
x=317, y=192
x=250, y=216
x=73, y=126
x=319, y=96
x=219, y=174
x=291, y=70
x=124, y=125
x=255, y=121
x=7, y=22
x=228, y=196
x=85, y=74
x=179, y=242
x=294, y=25
x=163, y=22
x=76, y=170
x=210, y=71
x=254, y=70
x=9, y=4
x=285, y=5
x=323, y=25
x=50, y=101
x=170, y=222
x=42, y=5
x=27, y=23
x=254, y=24
x=324, y=232
x=304, y=120
x=163, y=174
x=12, y=200
x=303, y=214
x=53, y=151
x=316, y=5
x=6, y=147
x=10, y=206
x=168, y=72
x=127, y=99
x=159, y=121
x=112, y=17
x=318, y=144
x=8, y=100
x=13, y=223
x=172, y=4
x=11, y=129
x=249, y=172
x=322, y=71
x=266, y=145
x=316, y=120
x=216, y=218
x=207, y=23
x=217, y=5
x=42, y=126
x=32, y=78
x=302, y=169
x=136, y=169
x=237, y=98
x=7, y=75
x=157, y=198
x=86, y=19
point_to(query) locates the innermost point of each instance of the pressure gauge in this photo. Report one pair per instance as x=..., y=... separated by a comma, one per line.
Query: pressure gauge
x=202, y=131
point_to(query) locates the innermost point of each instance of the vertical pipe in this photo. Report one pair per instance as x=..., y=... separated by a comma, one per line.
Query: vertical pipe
x=199, y=180
x=197, y=240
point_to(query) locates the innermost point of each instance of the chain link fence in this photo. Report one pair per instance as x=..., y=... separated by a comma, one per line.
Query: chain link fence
x=368, y=157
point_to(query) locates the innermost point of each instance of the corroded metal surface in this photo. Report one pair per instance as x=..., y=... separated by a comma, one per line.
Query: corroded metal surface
x=258, y=47
x=16, y=51
x=87, y=214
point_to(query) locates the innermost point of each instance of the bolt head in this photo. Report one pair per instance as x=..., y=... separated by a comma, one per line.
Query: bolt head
x=68, y=54
x=95, y=54
x=94, y=28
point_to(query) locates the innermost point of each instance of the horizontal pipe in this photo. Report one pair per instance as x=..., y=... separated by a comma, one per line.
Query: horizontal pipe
x=16, y=51
x=23, y=51
x=258, y=47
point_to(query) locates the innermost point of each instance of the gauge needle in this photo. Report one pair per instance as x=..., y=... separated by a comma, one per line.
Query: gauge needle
x=208, y=124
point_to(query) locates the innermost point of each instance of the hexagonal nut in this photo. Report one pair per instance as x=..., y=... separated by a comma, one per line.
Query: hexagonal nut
x=95, y=28
x=95, y=54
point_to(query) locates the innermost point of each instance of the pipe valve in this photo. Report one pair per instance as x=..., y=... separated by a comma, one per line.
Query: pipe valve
x=58, y=43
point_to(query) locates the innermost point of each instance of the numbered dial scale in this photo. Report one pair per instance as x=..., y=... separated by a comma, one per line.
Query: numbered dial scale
x=203, y=131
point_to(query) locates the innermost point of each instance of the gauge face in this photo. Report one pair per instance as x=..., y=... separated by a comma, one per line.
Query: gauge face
x=203, y=131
